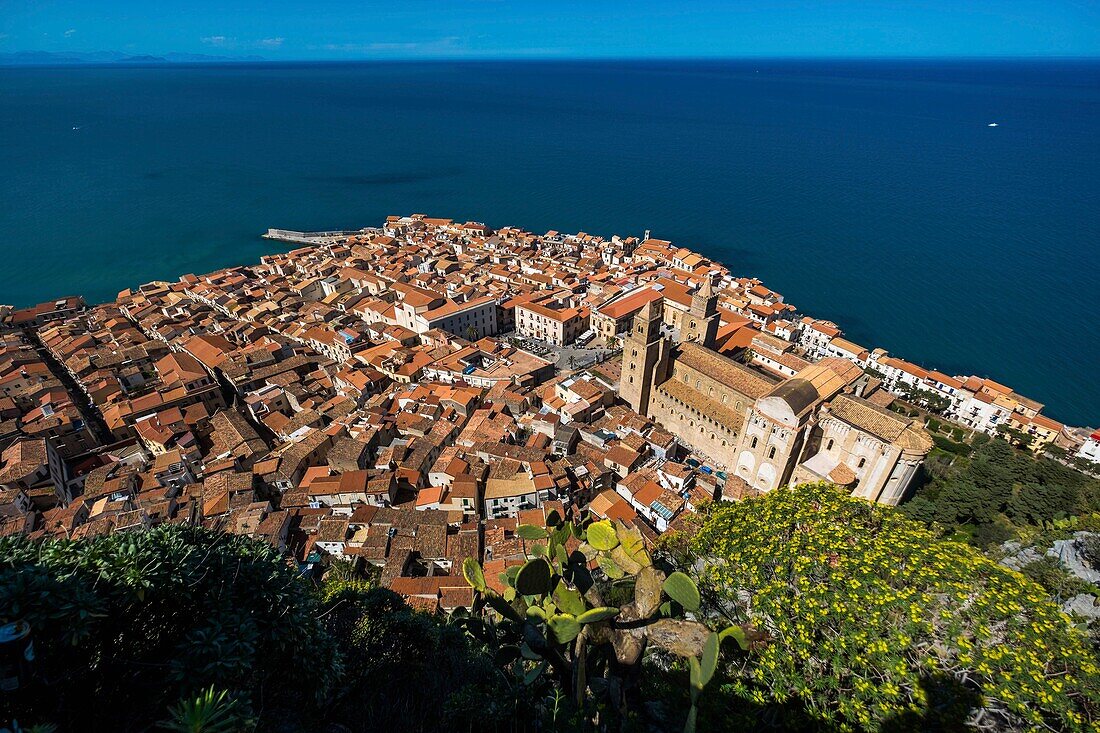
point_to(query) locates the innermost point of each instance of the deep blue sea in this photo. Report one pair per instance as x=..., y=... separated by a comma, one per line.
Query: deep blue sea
x=871, y=193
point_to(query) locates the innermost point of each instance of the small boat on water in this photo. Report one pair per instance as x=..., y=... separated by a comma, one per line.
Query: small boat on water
x=992, y=124
x=76, y=127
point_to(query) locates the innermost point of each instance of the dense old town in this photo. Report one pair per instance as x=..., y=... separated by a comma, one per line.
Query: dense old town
x=403, y=397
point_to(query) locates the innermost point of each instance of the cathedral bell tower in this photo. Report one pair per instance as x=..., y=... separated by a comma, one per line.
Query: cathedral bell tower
x=645, y=350
x=701, y=325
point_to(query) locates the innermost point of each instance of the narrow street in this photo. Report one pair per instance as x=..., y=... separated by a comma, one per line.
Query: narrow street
x=76, y=394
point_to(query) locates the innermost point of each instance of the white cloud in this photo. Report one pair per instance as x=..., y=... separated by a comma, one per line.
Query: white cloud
x=232, y=42
x=447, y=42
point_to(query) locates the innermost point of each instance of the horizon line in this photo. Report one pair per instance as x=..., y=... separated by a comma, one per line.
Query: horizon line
x=245, y=60
x=536, y=59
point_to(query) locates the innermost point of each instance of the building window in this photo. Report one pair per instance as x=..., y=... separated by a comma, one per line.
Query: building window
x=862, y=462
x=829, y=445
x=754, y=441
x=771, y=453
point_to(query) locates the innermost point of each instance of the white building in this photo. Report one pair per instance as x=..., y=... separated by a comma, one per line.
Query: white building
x=476, y=318
x=1090, y=450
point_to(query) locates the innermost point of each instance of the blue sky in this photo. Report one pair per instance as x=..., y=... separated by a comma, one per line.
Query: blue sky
x=347, y=29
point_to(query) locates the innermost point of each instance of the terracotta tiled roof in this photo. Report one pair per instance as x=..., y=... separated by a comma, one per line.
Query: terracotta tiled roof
x=874, y=419
x=736, y=376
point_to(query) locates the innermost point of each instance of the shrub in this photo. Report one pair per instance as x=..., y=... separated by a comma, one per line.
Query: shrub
x=950, y=446
x=200, y=630
x=992, y=534
x=1054, y=578
x=127, y=624
x=877, y=623
x=407, y=670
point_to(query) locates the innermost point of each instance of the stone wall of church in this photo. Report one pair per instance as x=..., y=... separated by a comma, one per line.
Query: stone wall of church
x=880, y=472
x=897, y=485
x=713, y=432
x=870, y=459
x=711, y=388
x=766, y=452
x=688, y=422
x=674, y=315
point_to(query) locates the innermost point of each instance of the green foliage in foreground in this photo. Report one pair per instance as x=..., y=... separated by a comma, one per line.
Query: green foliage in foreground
x=405, y=670
x=864, y=621
x=202, y=631
x=126, y=625
x=555, y=618
x=877, y=623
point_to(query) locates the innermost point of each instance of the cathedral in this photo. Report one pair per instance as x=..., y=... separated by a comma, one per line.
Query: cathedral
x=766, y=431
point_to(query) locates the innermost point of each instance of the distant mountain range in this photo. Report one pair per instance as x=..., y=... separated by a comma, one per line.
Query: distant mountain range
x=53, y=58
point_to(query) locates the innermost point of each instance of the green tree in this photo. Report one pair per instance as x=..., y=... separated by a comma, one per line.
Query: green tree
x=1035, y=503
x=921, y=509
x=1017, y=438
x=1000, y=486
x=993, y=534
x=963, y=502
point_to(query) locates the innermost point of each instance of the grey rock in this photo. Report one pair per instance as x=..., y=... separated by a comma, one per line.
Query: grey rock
x=1082, y=605
x=1069, y=554
x=1021, y=558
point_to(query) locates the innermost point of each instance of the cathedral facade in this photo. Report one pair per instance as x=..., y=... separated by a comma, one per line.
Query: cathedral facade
x=765, y=431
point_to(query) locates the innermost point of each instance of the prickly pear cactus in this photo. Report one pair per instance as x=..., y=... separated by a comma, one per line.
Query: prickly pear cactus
x=552, y=616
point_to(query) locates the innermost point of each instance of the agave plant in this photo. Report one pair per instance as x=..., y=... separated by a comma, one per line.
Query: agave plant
x=552, y=614
x=213, y=711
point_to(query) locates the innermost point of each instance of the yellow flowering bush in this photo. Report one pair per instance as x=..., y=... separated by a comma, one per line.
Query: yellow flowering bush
x=871, y=617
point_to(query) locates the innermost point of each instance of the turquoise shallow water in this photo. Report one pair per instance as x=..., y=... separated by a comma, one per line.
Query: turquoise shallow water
x=871, y=193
